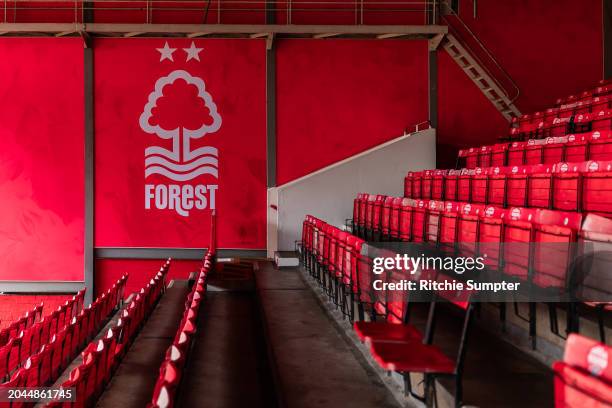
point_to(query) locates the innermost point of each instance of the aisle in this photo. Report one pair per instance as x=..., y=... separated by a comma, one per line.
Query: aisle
x=228, y=365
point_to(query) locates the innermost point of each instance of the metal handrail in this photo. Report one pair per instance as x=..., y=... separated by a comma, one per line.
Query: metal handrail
x=489, y=54
x=360, y=7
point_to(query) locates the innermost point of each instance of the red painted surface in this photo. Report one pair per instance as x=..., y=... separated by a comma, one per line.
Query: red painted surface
x=41, y=159
x=550, y=49
x=234, y=75
x=12, y=307
x=337, y=98
x=465, y=116
x=140, y=270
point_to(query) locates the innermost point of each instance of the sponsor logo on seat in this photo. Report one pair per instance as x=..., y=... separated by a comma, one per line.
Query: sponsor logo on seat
x=597, y=360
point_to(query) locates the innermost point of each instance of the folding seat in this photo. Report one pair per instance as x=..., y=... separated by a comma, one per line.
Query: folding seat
x=426, y=181
x=4, y=336
x=530, y=130
x=539, y=187
x=567, y=182
x=590, y=282
x=376, y=217
x=484, y=156
x=576, y=148
x=602, y=120
x=394, y=220
x=467, y=228
x=419, y=221
x=600, y=103
x=417, y=184
x=499, y=154
x=422, y=356
x=56, y=345
x=408, y=185
x=110, y=345
x=450, y=185
x=471, y=158
x=448, y=227
x=553, y=149
x=518, y=234
x=437, y=184
x=385, y=218
x=534, y=151
x=516, y=186
x=599, y=146
x=432, y=221
x=166, y=385
x=597, y=188
x=464, y=183
x=44, y=357
x=352, y=222
x=361, y=221
x=478, y=186
x=497, y=184
x=582, y=123
x=516, y=154
x=514, y=135
x=406, y=215
x=558, y=127
x=489, y=232
x=86, y=389
x=555, y=233
x=584, y=377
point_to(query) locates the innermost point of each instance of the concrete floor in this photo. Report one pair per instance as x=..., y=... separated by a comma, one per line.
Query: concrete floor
x=132, y=384
x=497, y=374
x=315, y=365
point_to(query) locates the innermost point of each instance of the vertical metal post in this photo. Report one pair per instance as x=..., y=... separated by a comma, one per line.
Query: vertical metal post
x=607, y=38
x=433, y=87
x=88, y=67
x=271, y=113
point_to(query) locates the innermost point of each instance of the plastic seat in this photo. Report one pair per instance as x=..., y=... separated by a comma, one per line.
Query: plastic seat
x=464, y=185
x=450, y=185
x=583, y=378
x=437, y=184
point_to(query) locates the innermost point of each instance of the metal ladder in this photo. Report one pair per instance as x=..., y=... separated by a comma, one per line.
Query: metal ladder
x=481, y=78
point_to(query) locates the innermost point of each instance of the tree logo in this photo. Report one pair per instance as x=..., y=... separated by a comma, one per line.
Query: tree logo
x=186, y=111
x=181, y=110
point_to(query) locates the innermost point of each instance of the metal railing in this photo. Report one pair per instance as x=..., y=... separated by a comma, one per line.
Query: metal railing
x=16, y=11
x=514, y=92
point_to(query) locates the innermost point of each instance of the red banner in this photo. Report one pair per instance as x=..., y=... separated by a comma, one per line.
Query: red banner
x=41, y=159
x=180, y=130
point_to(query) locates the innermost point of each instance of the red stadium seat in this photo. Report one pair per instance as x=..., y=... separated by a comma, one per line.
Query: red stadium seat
x=425, y=357
x=584, y=377
x=451, y=185
x=437, y=184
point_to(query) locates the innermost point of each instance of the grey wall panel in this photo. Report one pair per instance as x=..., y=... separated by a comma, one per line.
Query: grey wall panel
x=329, y=194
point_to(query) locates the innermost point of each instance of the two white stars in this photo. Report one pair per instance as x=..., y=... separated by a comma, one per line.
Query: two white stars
x=192, y=52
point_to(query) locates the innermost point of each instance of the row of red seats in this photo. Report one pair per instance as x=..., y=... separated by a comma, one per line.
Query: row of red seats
x=562, y=125
x=334, y=258
x=170, y=371
x=101, y=357
x=585, y=105
x=21, y=345
x=595, y=145
x=604, y=87
x=584, y=377
x=461, y=227
x=24, y=322
x=592, y=100
x=73, y=328
x=585, y=186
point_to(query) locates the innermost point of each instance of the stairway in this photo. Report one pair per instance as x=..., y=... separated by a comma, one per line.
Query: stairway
x=479, y=75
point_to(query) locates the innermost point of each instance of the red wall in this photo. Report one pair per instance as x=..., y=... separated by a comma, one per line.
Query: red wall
x=41, y=159
x=126, y=72
x=336, y=98
x=12, y=307
x=550, y=49
x=465, y=116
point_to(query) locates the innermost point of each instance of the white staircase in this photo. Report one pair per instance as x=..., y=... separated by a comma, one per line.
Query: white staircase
x=479, y=75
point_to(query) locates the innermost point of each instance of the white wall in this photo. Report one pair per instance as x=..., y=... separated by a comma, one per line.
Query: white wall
x=328, y=193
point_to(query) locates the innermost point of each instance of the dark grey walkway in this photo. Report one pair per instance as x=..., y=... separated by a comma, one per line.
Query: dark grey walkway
x=132, y=385
x=228, y=366
x=316, y=367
